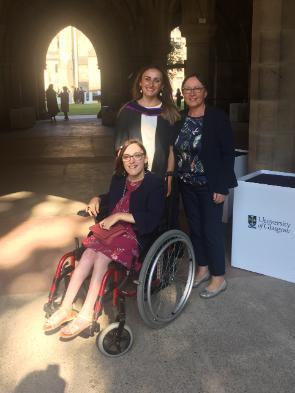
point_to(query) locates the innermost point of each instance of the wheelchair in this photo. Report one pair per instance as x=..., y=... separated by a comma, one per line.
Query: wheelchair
x=162, y=288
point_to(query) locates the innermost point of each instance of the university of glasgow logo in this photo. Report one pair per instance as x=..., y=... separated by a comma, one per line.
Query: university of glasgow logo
x=252, y=221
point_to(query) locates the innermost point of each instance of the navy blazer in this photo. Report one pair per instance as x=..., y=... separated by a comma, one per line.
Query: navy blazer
x=218, y=153
x=147, y=204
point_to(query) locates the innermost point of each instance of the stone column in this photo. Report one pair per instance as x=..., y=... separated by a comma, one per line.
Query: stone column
x=40, y=104
x=198, y=28
x=4, y=95
x=272, y=103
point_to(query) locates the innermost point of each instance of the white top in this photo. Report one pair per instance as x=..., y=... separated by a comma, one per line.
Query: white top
x=148, y=133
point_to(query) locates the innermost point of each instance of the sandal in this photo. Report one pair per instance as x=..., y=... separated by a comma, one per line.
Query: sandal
x=57, y=319
x=77, y=326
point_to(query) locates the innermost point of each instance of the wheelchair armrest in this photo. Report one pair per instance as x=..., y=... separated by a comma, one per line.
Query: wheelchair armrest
x=83, y=213
x=103, y=213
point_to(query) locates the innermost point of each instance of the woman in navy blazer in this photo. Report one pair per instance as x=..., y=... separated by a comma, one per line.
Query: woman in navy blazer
x=146, y=204
x=205, y=165
x=136, y=200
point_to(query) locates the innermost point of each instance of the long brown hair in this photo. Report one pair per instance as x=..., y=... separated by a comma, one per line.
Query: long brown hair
x=169, y=110
x=119, y=167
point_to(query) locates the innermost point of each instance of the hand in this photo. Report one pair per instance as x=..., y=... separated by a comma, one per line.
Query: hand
x=218, y=198
x=93, y=206
x=109, y=221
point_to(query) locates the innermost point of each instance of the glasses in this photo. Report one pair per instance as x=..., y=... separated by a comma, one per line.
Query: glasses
x=136, y=156
x=189, y=90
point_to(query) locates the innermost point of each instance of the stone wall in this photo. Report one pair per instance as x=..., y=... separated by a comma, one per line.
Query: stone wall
x=272, y=106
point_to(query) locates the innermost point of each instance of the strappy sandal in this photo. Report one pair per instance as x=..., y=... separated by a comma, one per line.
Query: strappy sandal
x=57, y=319
x=77, y=326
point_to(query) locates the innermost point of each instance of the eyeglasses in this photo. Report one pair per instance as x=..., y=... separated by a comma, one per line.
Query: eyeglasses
x=189, y=90
x=136, y=156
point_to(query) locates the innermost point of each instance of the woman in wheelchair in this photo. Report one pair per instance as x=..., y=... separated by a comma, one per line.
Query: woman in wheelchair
x=136, y=202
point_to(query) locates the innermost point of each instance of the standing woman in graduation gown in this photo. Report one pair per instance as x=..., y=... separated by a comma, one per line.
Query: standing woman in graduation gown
x=150, y=118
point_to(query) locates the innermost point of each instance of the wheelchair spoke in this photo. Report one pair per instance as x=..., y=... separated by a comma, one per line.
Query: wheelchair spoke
x=115, y=344
x=173, y=269
x=166, y=278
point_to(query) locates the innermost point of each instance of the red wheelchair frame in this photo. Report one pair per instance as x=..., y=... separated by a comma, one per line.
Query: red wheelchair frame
x=167, y=275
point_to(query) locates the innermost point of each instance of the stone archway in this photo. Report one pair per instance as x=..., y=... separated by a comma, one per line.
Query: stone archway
x=72, y=61
x=24, y=49
x=106, y=46
x=126, y=35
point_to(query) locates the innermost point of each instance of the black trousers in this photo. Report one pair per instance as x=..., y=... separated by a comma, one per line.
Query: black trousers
x=206, y=228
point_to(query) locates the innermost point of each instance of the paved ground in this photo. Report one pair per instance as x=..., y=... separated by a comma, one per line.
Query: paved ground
x=241, y=342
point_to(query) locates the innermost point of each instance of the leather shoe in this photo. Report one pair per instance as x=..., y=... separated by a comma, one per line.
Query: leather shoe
x=199, y=281
x=206, y=294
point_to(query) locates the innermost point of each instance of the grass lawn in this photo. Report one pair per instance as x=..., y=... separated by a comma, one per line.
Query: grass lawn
x=84, y=109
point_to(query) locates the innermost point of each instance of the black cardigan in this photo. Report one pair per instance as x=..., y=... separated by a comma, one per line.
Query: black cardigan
x=217, y=154
x=147, y=204
x=128, y=126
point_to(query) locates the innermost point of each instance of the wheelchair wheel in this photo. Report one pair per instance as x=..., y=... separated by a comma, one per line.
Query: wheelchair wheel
x=110, y=344
x=166, y=278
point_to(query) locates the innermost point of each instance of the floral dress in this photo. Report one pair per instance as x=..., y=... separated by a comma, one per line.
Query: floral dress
x=124, y=248
x=188, y=147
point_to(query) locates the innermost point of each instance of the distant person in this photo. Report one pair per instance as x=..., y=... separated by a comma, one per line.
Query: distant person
x=76, y=95
x=51, y=99
x=179, y=97
x=81, y=95
x=64, y=102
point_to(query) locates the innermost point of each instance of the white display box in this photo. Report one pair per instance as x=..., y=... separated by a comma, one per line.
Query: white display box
x=263, y=238
x=240, y=168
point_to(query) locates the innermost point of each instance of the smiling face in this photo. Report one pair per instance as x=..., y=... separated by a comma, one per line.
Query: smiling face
x=151, y=83
x=194, y=93
x=134, y=161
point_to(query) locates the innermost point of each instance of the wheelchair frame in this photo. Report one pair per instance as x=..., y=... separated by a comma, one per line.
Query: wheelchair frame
x=165, y=282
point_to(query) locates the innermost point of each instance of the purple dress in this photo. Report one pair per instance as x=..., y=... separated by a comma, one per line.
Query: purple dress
x=124, y=249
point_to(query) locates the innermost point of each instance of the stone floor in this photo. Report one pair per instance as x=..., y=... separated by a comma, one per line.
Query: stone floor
x=240, y=342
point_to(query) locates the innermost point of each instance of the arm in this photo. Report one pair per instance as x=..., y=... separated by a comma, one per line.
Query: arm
x=93, y=206
x=171, y=156
x=99, y=202
x=111, y=220
x=170, y=168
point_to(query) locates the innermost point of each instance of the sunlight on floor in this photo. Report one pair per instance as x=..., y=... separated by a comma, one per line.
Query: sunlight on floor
x=29, y=352
x=52, y=224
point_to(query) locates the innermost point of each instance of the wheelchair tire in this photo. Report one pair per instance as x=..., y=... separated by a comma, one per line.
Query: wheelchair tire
x=166, y=279
x=108, y=345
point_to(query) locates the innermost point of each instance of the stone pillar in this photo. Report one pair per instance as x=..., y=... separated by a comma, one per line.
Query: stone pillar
x=198, y=28
x=40, y=105
x=272, y=103
x=4, y=95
